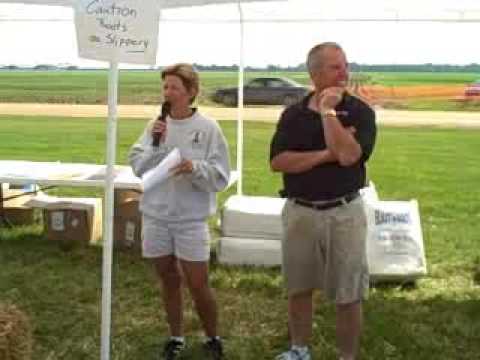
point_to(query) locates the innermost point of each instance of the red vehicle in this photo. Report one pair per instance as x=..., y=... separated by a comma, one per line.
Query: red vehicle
x=473, y=89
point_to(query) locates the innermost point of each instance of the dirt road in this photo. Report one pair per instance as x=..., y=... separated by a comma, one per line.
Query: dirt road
x=269, y=114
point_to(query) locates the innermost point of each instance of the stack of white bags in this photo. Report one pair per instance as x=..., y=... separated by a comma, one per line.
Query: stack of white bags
x=252, y=232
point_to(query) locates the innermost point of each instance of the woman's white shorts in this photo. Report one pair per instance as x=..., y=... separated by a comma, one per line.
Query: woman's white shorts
x=186, y=240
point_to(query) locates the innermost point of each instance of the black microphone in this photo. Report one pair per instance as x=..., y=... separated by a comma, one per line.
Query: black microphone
x=162, y=117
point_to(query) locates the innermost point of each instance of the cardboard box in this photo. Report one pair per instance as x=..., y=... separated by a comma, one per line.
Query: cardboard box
x=71, y=221
x=127, y=231
x=20, y=216
x=127, y=221
x=15, y=210
x=122, y=196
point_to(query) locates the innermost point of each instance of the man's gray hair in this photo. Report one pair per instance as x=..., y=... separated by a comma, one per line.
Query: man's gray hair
x=314, y=58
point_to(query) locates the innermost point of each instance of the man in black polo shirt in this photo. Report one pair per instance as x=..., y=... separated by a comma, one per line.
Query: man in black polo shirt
x=321, y=145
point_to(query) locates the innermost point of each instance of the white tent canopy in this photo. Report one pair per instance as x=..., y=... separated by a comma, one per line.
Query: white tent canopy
x=289, y=28
x=162, y=4
x=374, y=10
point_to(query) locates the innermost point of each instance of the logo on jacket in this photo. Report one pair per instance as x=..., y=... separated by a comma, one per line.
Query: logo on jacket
x=197, y=138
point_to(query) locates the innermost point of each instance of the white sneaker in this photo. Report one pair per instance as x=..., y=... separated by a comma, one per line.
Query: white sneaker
x=294, y=354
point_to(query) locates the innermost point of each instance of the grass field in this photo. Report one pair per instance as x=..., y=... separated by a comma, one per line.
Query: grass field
x=438, y=318
x=421, y=91
x=136, y=87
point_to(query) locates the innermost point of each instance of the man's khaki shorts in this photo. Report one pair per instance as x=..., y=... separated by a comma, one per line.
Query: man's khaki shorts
x=326, y=250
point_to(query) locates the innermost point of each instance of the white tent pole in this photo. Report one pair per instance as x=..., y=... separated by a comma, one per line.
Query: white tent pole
x=240, y=106
x=108, y=212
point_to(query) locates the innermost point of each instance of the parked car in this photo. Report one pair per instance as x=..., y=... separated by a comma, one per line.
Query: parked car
x=473, y=89
x=263, y=90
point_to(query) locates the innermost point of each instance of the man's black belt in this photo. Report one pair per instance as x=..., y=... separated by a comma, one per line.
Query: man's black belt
x=328, y=204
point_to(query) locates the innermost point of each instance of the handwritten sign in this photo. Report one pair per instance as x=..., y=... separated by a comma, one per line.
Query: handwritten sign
x=117, y=30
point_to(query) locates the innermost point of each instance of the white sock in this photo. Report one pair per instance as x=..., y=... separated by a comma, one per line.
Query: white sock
x=213, y=338
x=178, y=338
x=302, y=350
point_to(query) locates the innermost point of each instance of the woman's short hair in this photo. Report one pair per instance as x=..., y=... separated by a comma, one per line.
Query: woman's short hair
x=187, y=74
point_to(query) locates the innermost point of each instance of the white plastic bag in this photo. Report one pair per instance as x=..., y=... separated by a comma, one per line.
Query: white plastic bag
x=395, y=248
x=252, y=217
x=369, y=193
x=243, y=251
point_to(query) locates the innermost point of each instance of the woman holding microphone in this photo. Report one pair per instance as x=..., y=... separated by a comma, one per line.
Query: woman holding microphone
x=175, y=230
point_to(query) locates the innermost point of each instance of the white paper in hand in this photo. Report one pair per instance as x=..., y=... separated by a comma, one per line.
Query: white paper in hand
x=162, y=171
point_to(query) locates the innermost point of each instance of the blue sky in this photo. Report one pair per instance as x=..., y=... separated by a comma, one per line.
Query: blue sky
x=210, y=34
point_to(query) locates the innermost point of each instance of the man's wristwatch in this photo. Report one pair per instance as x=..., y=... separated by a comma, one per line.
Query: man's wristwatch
x=327, y=113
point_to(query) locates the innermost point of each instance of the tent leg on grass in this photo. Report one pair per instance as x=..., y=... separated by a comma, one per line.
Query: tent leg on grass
x=108, y=221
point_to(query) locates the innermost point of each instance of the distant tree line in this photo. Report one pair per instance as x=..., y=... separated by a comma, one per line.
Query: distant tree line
x=471, y=68
x=416, y=68
x=40, y=67
x=356, y=67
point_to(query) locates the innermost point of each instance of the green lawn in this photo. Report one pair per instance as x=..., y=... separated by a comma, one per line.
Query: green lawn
x=438, y=318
